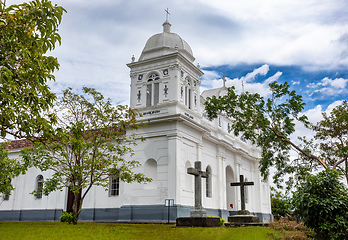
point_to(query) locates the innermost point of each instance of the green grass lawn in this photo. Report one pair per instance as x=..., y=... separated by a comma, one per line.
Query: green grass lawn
x=58, y=230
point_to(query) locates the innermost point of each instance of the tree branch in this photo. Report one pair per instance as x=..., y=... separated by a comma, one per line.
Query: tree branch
x=339, y=162
x=311, y=156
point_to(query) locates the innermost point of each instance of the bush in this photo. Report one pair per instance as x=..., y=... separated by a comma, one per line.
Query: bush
x=222, y=222
x=280, y=204
x=67, y=217
x=322, y=202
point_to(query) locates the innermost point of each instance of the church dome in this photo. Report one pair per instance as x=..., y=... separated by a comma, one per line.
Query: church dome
x=166, y=43
x=217, y=92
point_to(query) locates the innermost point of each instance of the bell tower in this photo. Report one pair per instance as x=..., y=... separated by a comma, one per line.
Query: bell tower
x=164, y=79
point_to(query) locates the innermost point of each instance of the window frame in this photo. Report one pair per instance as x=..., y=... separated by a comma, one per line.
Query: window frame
x=39, y=186
x=152, y=90
x=114, y=186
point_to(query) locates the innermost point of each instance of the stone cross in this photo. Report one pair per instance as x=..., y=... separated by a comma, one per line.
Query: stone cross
x=199, y=174
x=242, y=184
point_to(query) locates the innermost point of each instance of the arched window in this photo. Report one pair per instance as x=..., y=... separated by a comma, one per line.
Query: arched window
x=152, y=90
x=114, y=189
x=39, y=186
x=208, y=183
x=150, y=170
x=188, y=93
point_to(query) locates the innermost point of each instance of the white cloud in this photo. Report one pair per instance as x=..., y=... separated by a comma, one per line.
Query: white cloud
x=99, y=38
x=263, y=70
x=329, y=87
x=333, y=105
x=212, y=79
x=275, y=77
x=335, y=83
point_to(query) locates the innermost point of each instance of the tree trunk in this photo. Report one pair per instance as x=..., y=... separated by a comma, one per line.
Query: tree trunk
x=76, y=207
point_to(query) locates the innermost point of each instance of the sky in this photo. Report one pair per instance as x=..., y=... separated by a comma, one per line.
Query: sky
x=304, y=43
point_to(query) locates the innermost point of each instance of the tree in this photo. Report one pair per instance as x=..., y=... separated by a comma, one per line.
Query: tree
x=322, y=202
x=280, y=204
x=27, y=32
x=330, y=141
x=269, y=124
x=87, y=146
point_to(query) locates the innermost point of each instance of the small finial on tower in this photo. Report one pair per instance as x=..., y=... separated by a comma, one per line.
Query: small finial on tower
x=224, y=80
x=198, y=66
x=176, y=48
x=168, y=13
x=166, y=25
x=133, y=58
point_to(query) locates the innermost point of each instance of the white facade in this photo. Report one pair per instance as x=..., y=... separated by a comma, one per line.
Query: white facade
x=165, y=88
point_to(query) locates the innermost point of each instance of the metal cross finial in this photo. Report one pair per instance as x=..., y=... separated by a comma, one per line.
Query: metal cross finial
x=168, y=13
x=243, y=86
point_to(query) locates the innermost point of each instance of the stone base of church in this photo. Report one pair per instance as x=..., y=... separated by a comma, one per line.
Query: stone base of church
x=198, y=222
x=243, y=219
x=126, y=213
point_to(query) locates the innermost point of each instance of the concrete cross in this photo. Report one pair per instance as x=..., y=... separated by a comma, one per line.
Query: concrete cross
x=242, y=184
x=199, y=174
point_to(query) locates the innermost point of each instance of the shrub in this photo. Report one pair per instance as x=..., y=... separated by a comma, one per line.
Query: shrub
x=222, y=222
x=322, y=202
x=280, y=204
x=67, y=217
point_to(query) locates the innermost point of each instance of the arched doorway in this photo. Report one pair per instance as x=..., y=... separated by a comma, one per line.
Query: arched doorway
x=230, y=191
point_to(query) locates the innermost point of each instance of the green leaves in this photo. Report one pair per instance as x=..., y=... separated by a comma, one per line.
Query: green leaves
x=322, y=202
x=27, y=32
x=267, y=123
x=9, y=169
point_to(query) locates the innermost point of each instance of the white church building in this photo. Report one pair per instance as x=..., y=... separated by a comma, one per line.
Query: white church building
x=165, y=88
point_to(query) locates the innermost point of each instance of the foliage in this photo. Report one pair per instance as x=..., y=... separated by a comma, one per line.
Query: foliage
x=222, y=222
x=27, y=32
x=280, y=204
x=87, y=146
x=330, y=141
x=9, y=169
x=92, y=230
x=322, y=202
x=269, y=123
x=67, y=217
